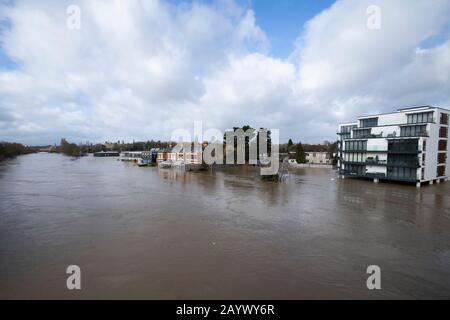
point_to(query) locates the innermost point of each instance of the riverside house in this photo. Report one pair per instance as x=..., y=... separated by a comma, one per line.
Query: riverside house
x=192, y=157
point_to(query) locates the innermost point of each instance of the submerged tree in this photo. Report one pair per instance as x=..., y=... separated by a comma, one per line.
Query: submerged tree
x=69, y=149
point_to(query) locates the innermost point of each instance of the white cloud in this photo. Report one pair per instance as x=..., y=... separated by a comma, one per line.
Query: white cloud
x=140, y=69
x=343, y=63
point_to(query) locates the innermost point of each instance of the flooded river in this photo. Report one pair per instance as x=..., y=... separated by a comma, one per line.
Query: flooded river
x=147, y=233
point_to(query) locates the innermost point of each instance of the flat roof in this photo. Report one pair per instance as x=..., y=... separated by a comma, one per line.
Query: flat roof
x=402, y=110
x=412, y=109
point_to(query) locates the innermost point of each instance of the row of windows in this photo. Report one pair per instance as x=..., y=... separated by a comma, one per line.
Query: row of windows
x=355, y=145
x=347, y=129
x=403, y=145
x=420, y=117
x=403, y=160
x=355, y=157
x=413, y=131
x=368, y=123
x=358, y=134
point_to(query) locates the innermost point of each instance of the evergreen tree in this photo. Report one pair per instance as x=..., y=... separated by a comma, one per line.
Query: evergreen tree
x=300, y=153
x=290, y=144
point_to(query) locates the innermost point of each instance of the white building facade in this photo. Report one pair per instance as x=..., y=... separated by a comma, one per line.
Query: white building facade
x=410, y=145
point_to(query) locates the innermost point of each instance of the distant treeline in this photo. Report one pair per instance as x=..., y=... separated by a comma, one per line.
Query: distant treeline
x=123, y=146
x=11, y=150
x=297, y=150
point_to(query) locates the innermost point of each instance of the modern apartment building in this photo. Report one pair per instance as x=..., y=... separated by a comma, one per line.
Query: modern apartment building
x=410, y=145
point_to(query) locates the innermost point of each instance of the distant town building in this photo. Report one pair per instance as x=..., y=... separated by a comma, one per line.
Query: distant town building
x=103, y=154
x=318, y=157
x=142, y=158
x=190, y=157
x=135, y=156
x=409, y=145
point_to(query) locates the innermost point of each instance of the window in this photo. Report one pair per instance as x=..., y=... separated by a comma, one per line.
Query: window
x=367, y=123
x=442, y=157
x=423, y=159
x=443, y=132
x=423, y=173
x=424, y=145
x=424, y=117
x=440, y=171
x=444, y=118
x=442, y=145
x=414, y=131
x=355, y=157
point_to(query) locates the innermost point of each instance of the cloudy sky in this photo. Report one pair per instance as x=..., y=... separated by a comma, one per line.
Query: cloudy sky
x=140, y=69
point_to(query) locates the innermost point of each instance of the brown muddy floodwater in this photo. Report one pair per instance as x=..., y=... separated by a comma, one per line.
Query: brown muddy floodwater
x=157, y=234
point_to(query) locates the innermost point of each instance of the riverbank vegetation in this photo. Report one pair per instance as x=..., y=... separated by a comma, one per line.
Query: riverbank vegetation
x=121, y=146
x=12, y=150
